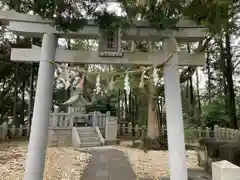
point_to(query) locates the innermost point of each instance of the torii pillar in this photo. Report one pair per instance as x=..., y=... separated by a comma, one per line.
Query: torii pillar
x=35, y=162
x=173, y=103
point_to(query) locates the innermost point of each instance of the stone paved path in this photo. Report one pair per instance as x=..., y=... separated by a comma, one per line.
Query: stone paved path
x=108, y=164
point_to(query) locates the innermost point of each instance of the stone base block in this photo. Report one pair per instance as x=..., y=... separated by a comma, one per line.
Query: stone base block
x=224, y=170
x=112, y=142
x=60, y=137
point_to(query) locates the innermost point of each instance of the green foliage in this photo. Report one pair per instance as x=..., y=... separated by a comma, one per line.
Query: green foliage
x=59, y=96
x=9, y=81
x=104, y=104
x=107, y=20
x=211, y=13
x=68, y=15
x=163, y=15
x=215, y=113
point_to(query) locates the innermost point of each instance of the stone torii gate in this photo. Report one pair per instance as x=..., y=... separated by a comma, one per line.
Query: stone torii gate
x=34, y=26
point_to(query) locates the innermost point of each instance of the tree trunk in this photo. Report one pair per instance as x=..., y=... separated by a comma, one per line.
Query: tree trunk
x=199, y=101
x=160, y=122
x=67, y=92
x=153, y=125
x=2, y=104
x=209, y=78
x=30, y=103
x=229, y=78
x=23, y=102
x=223, y=78
x=15, y=94
x=126, y=106
x=118, y=107
x=136, y=104
x=17, y=6
x=191, y=101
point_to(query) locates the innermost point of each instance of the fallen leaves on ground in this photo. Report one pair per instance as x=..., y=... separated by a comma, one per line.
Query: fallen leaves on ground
x=154, y=164
x=61, y=162
x=67, y=164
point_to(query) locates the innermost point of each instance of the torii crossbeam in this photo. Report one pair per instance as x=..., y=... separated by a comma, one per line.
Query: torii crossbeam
x=34, y=26
x=91, y=57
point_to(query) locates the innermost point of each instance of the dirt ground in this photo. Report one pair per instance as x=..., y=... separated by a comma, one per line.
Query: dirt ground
x=61, y=163
x=65, y=163
x=153, y=164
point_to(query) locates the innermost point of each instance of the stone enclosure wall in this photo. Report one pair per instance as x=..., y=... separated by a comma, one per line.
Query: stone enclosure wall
x=12, y=132
x=60, y=137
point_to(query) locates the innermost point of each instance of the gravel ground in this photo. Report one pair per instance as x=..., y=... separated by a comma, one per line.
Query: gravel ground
x=68, y=164
x=154, y=164
x=61, y=163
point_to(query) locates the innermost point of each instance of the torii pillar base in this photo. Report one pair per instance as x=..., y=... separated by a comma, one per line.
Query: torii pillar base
x=35, y=162
x=173, y=102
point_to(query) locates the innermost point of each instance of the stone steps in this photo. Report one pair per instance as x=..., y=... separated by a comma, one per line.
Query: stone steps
x=88, y=134
x=88, y=137
x=90, y=144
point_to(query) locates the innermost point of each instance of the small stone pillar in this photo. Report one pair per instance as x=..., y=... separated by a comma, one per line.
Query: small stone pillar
x=137, y=132
x=216, y=131
x=13, y=131
x=130, y=129
x=55, y=119
x=94, y=119
x=224, y=170
x=5, y=130
x=111, y=128
x=20, y=132
x=207, y=132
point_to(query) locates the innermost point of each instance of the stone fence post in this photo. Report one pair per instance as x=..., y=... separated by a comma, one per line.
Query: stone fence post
x=5, y=130
x=216, y=131
x=137, y=131
x=1, y=132
x=55, y=119
x=207, y=132
x=130, y=129
x=13, y=131
x=20, y=131
x=111, y=128
x=94, y=118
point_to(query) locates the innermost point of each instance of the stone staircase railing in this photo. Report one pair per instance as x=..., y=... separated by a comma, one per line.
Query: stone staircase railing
x=76, y=142
x=60, y=120
x=106, y=125
x=100, y=136
x=13, y=132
